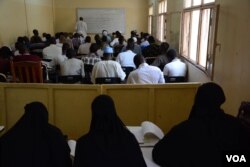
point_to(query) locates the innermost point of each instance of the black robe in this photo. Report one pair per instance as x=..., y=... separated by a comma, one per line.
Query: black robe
x=33, y=142
x=203, y=139
x=108, y=143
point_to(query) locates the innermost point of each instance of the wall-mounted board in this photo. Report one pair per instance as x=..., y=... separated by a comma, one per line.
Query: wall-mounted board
x=99, y=19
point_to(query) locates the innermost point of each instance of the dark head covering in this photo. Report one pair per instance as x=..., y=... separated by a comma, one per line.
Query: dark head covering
x=206, y=137
x=36, y=114
x=208, y=99
x=210, y=95
x=109, y=142
x=104, y=118
x=33, y=142
x=34, y=120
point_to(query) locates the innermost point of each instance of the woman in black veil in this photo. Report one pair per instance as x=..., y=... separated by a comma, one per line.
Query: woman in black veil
x=108, y=142
x=33, y=142
x=203, y=139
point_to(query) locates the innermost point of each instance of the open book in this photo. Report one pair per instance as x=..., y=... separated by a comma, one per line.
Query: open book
x=148, y=134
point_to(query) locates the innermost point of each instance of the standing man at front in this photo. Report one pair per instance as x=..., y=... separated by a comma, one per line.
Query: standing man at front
x=81, y=27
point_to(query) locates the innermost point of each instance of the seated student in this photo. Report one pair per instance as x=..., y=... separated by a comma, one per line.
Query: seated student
x=35, y=38
x=84, y=48
x=118, y=48
x=136, y=49
x=104, y=42
x=93, y=57
x=68, y=40
x=90, y=60
x=22, y=40
x=116, y=39
x=24, y=55
x=5, y=56
x=152, y=50
x=126, y=58
x=44, y=37
x=58, y=61
x=98, y=40
x=145, y=74
x=61, y=58
x=108, y=142
x=175, y=67
x=52, y=52
x=48, y=39
x=107, y=67
x=144, y=40
x=106, y=34
x=76, y=41
x=16, y=52
x=201, y=140
x=61, y=40
x=161, y=60
x=72, y=66
x=33, y=142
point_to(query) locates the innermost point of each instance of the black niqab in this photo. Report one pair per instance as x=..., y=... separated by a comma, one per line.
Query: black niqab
x=33, y=142
x=104, y=117
x=205, y=136
x=109, y=142
x=208, y=100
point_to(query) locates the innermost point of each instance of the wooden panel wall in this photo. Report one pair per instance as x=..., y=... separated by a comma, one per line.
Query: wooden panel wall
x=69, y=106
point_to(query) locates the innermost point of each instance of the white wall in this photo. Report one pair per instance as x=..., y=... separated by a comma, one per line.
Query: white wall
x=20, y=17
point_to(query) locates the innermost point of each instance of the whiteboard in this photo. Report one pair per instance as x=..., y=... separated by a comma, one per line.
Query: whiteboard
x=103, y=19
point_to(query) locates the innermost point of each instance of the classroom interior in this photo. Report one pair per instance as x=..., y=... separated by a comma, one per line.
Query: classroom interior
x=230, y=68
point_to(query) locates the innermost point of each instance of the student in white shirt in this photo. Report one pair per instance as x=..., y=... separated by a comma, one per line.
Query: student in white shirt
x=52, y=52
x=84, y=48
x=105, y=33
x=145, y=74
x=107, y=67
x=126, y=58
x=72, y=66
x=116, y=39
x=63, y=57
x=176, y=68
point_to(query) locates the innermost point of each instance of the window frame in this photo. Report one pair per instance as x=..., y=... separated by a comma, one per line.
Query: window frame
x=150, y=19
x=161, y=30
x=208, y=69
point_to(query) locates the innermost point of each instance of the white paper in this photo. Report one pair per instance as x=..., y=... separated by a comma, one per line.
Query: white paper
x=150, y=129
x=137, y=131
x=148, y=134
x=1, y=128
x=147, y=155
x=72, y=146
